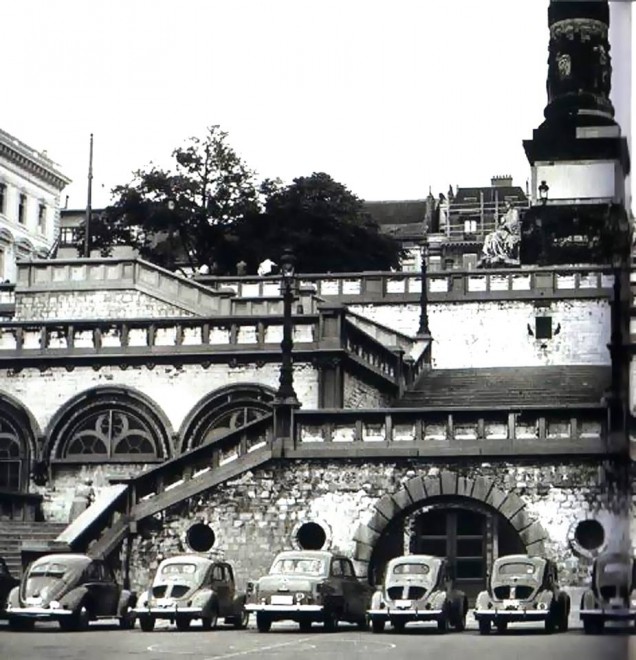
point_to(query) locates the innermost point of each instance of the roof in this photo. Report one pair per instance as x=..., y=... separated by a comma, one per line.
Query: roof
x=64, y=558
x=415, y=559
x=397, y=212
x=528, y=559
x=463, y=195
x=191, y=559
x=516, y=387
x=309, y=554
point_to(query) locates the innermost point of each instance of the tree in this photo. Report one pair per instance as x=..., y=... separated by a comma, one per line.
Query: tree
x=182, y=217
x=323, y=223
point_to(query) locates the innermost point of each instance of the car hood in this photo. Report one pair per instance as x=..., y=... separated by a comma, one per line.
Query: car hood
x=288, y=582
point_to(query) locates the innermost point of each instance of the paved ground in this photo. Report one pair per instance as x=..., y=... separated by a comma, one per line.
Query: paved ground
x=285, y=642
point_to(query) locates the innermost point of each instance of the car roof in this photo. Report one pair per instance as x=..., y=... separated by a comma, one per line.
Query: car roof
x=415, y=559
x=309, y=554
x=510, y=559
x=186, y=558
x=64, y=558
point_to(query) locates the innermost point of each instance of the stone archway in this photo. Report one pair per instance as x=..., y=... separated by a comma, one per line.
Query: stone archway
x=418, y=490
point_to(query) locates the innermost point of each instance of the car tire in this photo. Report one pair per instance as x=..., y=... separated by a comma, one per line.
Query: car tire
x=550, y=622
x=17, y=624
x=363, y=624
x=305, y=626
x=242, y=620
x=331, y=621
x=127, y=619
x=183, y=623
x=398, y=626
x=484, y=626
x=263, y=622
x=377, y=625
x=210, y=622
x=502, y=627
x=592, y=627
x=147, y=622
x=458, y=618
x=78, y=621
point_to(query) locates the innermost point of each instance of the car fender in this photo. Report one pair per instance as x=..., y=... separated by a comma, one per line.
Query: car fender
x=73, y=598
x=14, y=597
x=376, y=600
x=547, y=597
x=238, y=604
x=126, y=599
x=483, y=600
x=458, y=598
x=588, y=600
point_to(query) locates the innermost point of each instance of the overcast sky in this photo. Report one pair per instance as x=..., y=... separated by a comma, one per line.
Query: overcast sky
x=388, y=97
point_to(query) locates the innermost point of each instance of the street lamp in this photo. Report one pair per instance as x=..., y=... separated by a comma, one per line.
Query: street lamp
x=544, y=188
x=286, y=394
x=424, y=329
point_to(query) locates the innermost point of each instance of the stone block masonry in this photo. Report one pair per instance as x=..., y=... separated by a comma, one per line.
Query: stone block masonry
x=256, y=515
x=504, y=333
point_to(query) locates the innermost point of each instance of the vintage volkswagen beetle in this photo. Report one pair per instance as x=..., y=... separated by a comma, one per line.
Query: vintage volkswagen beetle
x=187, y=587
x=7, y=582
x=418, y=588
x=308, y=586
x=612, y=596
x=522, y=588
x=72, y=589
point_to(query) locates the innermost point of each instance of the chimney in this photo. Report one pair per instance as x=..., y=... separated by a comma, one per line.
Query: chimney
x=501, y=181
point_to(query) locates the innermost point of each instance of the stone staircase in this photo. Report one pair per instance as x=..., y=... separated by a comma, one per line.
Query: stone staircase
x=14, y=532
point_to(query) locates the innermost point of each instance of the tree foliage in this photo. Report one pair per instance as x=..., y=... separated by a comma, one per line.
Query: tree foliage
x=325, y=225
x=210, y=210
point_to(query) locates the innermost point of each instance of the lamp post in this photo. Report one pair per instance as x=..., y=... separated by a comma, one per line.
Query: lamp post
x=423, y=328
x=544, y=189
x=286, y=394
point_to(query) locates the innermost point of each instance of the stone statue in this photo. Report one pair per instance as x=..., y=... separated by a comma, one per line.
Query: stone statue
x=501, y=246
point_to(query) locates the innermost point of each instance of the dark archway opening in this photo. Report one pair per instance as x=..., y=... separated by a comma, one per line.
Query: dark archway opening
x=311, y=536
x=200, y=537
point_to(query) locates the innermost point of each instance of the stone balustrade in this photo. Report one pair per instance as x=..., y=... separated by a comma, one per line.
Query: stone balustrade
x=452, y=285
x=448, y=433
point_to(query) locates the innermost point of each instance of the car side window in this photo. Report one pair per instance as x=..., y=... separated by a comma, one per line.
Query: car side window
x=217, y=574
x=347, y=568
x=92, y=573
x=336, y=568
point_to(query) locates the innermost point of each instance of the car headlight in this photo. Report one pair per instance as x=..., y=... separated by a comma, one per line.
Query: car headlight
x=55, y=605
x=542, y=606
x=300, y=596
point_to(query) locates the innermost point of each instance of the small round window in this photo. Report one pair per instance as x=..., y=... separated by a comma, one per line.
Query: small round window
x=200, y=537
x=311, y=536
x=589, y=534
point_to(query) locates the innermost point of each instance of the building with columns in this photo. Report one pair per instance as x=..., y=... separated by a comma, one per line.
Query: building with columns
x=469, y=414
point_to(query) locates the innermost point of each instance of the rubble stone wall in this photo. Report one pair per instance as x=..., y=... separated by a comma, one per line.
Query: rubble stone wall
x=360, y=395
x=258, y=514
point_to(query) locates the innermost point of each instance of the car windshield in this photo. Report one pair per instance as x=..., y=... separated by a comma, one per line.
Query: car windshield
x=516, y=568
x=411, y=569
x=43, y=577
x=179, y=569
x=301, y=565
x=48, y=569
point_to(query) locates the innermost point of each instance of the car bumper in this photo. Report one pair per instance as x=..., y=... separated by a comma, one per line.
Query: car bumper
x=291, y=612
x=168, y=612
x=511, y=615
x=388, y=614
x=39, y=613
x=609, y=614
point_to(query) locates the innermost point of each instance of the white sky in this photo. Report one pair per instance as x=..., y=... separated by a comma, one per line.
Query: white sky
x=388, y=97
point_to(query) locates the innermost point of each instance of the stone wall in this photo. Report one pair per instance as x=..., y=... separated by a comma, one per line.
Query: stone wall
x=257, y=515
x=502, y=334
x=358, y=394
x=174, y=390
x=98, y=304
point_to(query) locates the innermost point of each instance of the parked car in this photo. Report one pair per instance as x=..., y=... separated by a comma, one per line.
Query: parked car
x=612, y=596
x=187, y=587
x=72, y=589
x=309, y=586
x=418, y=588
x=523, y=588
x=7, y=582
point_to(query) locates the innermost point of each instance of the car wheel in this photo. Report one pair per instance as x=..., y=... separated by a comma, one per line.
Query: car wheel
x=363, y=624
x=209, y=622
x=241, y=621
x=592, y=627
x=502, y=626
x=550, y=623
x=377, y=625
x=263, y=622
x=460, y=611
x=77, y=621
x=147, y=622
x=16, y=624
x=398, y=626
x=127, y=619
x=484, y=626
x=305, y=626
x=442, y=624
x=331, y=621
x=183, y=623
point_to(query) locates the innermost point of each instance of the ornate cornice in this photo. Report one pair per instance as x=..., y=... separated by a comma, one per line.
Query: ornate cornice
x=30, y=160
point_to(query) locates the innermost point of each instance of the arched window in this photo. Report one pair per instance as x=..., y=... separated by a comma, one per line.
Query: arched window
x=224, y=411
x=110, y=425
x=12, y=458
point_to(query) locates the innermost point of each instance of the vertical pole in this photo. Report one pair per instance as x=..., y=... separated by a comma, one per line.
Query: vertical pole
x=87, y=249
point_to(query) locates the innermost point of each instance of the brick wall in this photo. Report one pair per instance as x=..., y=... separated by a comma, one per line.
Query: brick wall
x=97, y=304
x=496, y=334
x=256, y=515
x=175, y=390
